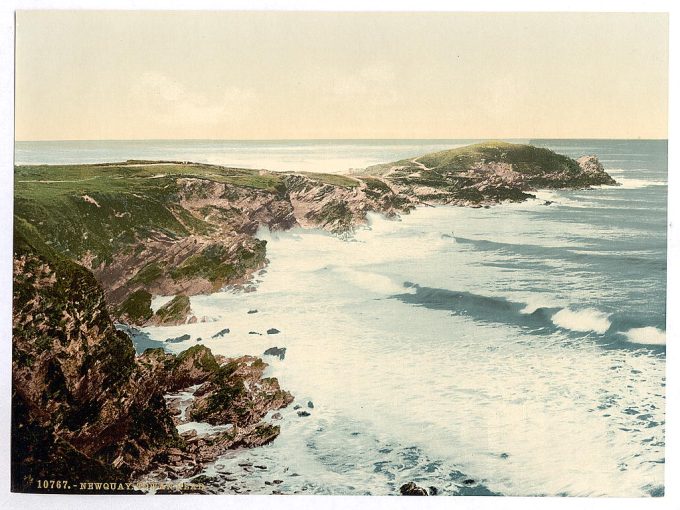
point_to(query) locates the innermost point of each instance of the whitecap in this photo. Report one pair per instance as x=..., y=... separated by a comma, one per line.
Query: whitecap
x=584, y=320
x=627, y=183
x=648, y=335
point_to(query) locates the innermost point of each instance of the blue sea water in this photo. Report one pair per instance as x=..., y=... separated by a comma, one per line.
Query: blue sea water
x=515, y=350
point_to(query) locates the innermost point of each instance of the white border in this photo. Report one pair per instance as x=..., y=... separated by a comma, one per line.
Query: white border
x=58, y=502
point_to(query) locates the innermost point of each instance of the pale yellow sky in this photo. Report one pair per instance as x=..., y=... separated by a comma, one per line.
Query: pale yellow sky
x=269, y=75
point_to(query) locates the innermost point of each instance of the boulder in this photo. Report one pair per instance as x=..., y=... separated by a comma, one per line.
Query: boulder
x=279, y=352
x=411, y=489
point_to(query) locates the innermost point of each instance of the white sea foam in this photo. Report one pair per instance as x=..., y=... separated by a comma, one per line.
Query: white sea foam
x=158, y=301
x=647, y=336
x=629, y=183
x=202, y=428
x=373, y=282
x=582, y=320
x=387, y=377
x=535, y=302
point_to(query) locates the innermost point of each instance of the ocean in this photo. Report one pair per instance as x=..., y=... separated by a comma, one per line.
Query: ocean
x=517, y=350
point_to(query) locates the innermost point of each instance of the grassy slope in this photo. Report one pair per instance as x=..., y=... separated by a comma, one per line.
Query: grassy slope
x=140, y=199
x=134, y=200
x=525, y=159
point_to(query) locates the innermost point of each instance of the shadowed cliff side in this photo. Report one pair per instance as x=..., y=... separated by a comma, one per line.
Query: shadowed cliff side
x=84, y=408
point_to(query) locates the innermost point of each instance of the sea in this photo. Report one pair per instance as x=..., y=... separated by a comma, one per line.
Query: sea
x=518, y=350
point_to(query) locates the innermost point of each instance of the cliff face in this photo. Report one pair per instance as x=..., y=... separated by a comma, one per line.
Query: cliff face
x=75, y=381
x=177, y=228
x=84, y=408
x=488, y=173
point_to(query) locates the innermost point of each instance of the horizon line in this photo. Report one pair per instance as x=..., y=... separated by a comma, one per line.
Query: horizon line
x=322, y=139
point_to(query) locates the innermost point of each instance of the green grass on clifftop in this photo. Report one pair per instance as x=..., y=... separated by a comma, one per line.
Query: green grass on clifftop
x=101, y=208
x=525, y=159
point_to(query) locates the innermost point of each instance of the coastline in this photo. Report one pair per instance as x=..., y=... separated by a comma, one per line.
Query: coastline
x=328, y=202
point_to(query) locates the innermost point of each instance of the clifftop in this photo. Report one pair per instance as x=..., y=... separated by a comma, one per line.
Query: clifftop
x=185, y=228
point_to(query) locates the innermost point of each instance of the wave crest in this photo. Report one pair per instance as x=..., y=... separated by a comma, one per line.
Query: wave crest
x=584, y=320
x=648, y=336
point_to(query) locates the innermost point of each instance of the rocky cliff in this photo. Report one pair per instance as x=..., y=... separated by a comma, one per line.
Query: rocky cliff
x=177, y=228
x=84, y=407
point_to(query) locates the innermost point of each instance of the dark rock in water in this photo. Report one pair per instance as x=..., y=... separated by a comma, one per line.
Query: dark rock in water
x=277, y=416
x=221, y=333
x=254, y=333
x=277, y=482
x=411, y=489
x=469, y=481
x=273, y=331
x=178, y=339
x=548, y=202
x=303, y=413
x=252, y=311
x=199, y=339
x=259, y=466
x=504, y=455
x=310, y=404
x=297, y=406
x=433, y=490
x=279, y=352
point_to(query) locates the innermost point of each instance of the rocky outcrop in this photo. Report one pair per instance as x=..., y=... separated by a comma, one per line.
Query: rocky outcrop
x=411, y=489
x=136, y=308
x=238, y=405
x=82, y=408
x=279, y=352
x=594, y=171
x=488, y=173
x=174, y=312
x=85, y=408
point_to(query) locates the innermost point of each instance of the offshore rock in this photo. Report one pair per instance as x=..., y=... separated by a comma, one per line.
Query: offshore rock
x=411, y=489
x=279, y=352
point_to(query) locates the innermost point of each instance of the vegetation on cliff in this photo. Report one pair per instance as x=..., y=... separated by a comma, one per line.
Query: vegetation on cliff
x=176, y=311
x=77, y=396
x=182, y=228
x=136, y=309
x=84, y=407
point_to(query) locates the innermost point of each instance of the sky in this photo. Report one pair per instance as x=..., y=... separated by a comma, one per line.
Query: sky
x=89, y=75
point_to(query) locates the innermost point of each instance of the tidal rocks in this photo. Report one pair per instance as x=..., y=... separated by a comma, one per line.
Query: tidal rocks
x=178, y=339
x=303, y=414
x=411, y=489
x=221, y=333
x=273, y=331
x=237, y=393
x=594, y=170
x=252, y=311
x=279, y=352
